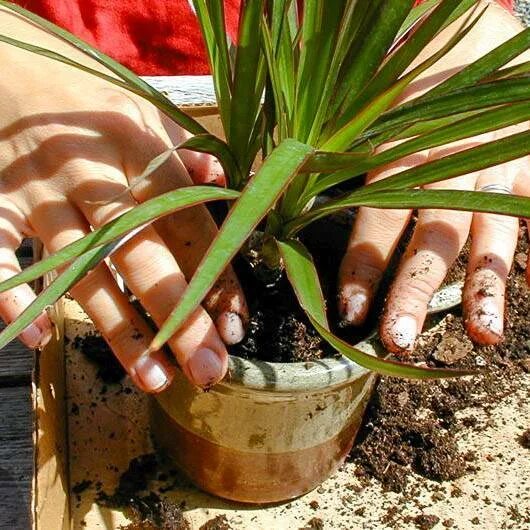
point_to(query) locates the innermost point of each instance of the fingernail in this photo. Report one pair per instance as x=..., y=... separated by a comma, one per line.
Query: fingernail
x=404, y=332
x=151, y=374
x=46, y=337
x=33, y=336
x=488, y=317
x=205, y=367
x=355, y=308
x=231, y=327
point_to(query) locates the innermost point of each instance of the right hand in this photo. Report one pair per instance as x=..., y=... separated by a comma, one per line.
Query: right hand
x=68, y=141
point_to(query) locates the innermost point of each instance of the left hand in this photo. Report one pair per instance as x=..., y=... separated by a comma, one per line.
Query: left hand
x=439, y=235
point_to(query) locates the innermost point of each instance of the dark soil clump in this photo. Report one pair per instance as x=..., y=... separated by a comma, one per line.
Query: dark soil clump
x=278, y=330
x=217, y=523
x=426, y=522
x=147, y=509
x=412, y=426
x=97, y=351
x=524, y=439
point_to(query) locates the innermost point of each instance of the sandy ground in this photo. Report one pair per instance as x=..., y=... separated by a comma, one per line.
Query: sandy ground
x=108, y=428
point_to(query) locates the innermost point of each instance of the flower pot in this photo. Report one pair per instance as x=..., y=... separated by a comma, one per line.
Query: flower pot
x=269, y=431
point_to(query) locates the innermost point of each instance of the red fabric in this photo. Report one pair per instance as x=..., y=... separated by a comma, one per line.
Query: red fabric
x=151, y=37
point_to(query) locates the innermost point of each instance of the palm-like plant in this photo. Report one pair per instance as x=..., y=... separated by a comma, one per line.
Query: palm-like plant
x=313, y=92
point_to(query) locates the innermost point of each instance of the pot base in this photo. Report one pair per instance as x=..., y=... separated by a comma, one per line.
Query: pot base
x=251, y=477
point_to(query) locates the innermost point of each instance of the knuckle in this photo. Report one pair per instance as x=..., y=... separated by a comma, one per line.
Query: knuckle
x=124, y=104
x=417, y=290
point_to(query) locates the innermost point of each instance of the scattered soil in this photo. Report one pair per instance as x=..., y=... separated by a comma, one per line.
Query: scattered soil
x=146, y=508
x=316, y=523
x=524, y=439
x=97, y=351
x=217, y=523
x=412, y=426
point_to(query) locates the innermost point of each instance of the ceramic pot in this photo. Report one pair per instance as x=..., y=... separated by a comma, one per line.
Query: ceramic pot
x=269, y=431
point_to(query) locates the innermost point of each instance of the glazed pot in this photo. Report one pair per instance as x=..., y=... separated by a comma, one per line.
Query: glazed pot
x=269, y=431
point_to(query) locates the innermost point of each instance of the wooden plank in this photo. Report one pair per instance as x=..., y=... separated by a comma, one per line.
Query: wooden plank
x=16, y=457
x=16, y=361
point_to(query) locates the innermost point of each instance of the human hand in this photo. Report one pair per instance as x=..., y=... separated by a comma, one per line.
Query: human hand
x=439, y=235
x=70, y=144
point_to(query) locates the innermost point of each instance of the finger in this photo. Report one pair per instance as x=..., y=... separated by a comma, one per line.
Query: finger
x=522, y=187
x=188, y=235
x=202, y=167
x=14, y=301
x=374, y=238
x=437, y=240
x=123, y=328
x=153, y=275
x=494, y=239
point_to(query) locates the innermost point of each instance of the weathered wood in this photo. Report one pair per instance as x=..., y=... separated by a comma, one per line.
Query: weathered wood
x=16, y=361
x=16, y=457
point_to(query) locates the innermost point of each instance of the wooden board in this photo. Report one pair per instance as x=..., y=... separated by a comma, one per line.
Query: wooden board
x=16, y=457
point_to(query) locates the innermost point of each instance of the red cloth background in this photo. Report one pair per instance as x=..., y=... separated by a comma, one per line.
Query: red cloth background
x=151, y=37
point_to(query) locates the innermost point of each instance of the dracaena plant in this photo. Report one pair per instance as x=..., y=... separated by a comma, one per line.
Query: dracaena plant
x=310, y=88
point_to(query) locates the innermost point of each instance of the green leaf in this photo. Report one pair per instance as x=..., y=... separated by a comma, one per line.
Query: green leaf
x=351, y=165
x=161, y=103
x=479, y=97
x=402, y=58
x=304, y=279
x=512, y=205
x=280, y=107
x=258, y=197
x=141, y=215
x=482, y=67
x=345, y=136
x=131, y=79
x=244, y=106
x=319, y=33
x=55, y=290
x=384, y=26
x=415, y=16
x=210, y=144
x=212, y=24
x=461, y=163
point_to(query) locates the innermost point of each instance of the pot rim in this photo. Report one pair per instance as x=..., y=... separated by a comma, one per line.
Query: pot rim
x=300, y=376
x=324, y=373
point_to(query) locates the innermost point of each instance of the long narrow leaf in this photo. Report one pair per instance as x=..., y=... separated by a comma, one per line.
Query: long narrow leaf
x=479, y=97
x=141, y=215
x=320, y=20
x=344, y=137
x=361, y=161
x=259, y=196
x=163, y=104
x=472, y=201
x=415, y=16
x=461, y=163
x=304, y=279
x=55, y=290
x=243, y=112
x=402, y=58
x=376, y=43
x=484, y=66
x=212, y=24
